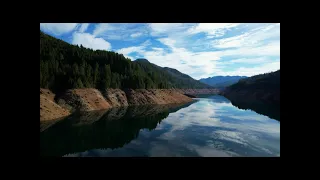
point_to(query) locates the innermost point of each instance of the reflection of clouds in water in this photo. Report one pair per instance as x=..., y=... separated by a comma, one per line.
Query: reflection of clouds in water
x=161, y=150
x=208, y=114
x=176, y=148
x=205, y=128
x=251, y=117
x=247, y=128
x=208, y=151
x=246, y=139
x=230, y=136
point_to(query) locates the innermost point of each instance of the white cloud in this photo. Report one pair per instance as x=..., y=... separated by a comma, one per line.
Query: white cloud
x=235, y=41
x=169, y=29
x=139, y=49
x=249, y=48
x=128, y=50
x=120, y=31
x=136, y=35
x=250, y=60
x=253, y=38
x=162, y=58
x=212, y=29
x=168, y=42
x=270, y=49
x=159, y=28
x=241, y=47
x=90, y=41
x=203, y=60
x=58, y=28
x=101, y=28
x=157, y=49
x=83, y=27
x=259, y=42
x=246, y=71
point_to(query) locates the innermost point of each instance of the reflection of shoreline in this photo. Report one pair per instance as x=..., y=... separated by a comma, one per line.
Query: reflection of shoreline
x=114, y=128
x=270, y=110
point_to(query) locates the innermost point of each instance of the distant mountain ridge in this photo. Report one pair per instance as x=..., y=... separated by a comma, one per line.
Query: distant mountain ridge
x=221, y=81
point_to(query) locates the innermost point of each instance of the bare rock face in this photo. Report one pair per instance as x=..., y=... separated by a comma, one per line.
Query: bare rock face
x=49, y=109
x=89, y=99
x=115, y=97
x=155, y=96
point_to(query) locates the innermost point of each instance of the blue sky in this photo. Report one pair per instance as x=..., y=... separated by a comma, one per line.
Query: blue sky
x=198, y=49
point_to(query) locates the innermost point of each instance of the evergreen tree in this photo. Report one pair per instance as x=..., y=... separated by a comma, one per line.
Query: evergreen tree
x=64, y=66
x=96, y=75
x=108, y=75
x=79, y=83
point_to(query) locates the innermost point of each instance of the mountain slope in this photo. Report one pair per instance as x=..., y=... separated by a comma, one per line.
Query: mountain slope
x=172, y=77
x=259, y=93
x=264, y=88
x=65, y=66
x=221, y=81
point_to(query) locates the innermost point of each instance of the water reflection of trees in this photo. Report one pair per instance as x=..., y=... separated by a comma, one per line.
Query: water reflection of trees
x=267, y=109
x=102, y=129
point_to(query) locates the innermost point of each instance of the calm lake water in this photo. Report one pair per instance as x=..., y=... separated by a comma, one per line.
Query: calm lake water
x=209, y=127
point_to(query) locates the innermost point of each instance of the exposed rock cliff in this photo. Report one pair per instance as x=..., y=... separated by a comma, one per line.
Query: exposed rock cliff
x=89, y=99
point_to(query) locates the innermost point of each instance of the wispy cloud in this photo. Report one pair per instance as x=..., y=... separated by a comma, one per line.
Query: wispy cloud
x=101, y=28
x=83, y=27
x=212, y=29
x=253, y=38
x=250, y=60
x=199, y=50
x=139, y=49
x=250, y=71
x=120, y=31
x=136, y=35
x=167, y=29
x=58, y=28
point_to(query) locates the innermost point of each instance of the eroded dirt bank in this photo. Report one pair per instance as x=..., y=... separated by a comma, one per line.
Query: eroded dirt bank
x=49, y=109
x=89, y=99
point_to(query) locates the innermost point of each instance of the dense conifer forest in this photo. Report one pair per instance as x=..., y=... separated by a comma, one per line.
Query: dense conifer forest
x=65, y=66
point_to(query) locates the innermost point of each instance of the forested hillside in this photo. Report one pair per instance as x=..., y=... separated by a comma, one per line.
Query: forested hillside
x=260, y=93
x=65, y=66
x=267, y=81
x=263, y=87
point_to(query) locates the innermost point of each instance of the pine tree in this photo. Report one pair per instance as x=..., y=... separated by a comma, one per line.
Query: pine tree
x=64, y=66
x=96, y=75
x=108, y=75
x=79, y=83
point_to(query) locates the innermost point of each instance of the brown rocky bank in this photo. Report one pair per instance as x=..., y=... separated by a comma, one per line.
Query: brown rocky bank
x=54, y=107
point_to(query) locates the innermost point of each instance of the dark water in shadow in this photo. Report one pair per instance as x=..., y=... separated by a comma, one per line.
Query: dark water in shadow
x=104, y=129
x=210, y=126
x=270, y=110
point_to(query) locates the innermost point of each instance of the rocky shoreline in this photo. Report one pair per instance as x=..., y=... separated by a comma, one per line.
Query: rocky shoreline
x=54, y=106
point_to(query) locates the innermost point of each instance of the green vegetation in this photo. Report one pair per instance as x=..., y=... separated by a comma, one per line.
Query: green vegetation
x=65, y=66
x=267, y=82
x=264, y=88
